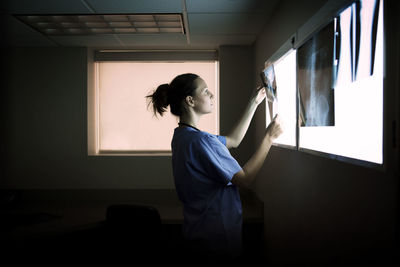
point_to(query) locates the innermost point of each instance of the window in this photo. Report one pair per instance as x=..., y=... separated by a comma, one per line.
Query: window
x=125, y=123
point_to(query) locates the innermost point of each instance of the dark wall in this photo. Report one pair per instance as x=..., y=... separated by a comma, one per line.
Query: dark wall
x=46, y=128
x=236, y=79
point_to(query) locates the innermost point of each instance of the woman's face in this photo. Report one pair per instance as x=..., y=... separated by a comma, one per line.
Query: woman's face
x=203, y=98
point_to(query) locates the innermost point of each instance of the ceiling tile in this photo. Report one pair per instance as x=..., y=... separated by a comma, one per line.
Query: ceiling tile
x=217, y=40
x=87, y=40
x=159, y=40
x=18, y=34
x=136, y=6
x=228, y=24
x=45, y=7
x=211, y=22
x=229, y=6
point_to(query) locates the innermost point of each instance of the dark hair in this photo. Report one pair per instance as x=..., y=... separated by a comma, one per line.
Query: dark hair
x=172, y=94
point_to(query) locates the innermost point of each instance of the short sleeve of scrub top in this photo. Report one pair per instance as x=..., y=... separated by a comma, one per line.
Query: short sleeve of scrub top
x=216, y=160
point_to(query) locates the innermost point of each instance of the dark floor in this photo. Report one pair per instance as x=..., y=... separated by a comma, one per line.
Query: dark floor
x=119, y=244
x=75, y=234
x=56, y=232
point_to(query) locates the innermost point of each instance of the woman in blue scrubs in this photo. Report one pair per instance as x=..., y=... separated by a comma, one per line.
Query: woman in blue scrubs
x=206, y=175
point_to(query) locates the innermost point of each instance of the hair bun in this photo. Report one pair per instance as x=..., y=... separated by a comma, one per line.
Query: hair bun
x=172, y=94
x=159, y=99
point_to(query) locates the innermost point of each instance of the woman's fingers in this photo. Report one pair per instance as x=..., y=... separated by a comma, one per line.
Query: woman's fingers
x=275, y=128
x=259, y=94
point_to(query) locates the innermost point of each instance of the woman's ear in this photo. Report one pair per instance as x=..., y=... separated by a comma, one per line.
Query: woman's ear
x=189, y=101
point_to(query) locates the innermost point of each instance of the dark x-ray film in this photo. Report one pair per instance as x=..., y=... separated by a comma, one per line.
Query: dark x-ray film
x=316, y=78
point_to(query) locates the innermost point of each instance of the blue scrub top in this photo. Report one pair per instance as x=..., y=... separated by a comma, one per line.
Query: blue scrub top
x=203, y=169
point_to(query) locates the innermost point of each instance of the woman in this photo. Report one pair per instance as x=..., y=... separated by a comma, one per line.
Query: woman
x=206, y=175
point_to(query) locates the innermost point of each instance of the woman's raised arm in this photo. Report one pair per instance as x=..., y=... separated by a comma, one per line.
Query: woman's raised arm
x=246, y=176
x=235, y=137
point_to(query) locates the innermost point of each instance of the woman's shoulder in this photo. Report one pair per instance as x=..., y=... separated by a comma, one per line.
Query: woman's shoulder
x=210, y=138
x=196, y=136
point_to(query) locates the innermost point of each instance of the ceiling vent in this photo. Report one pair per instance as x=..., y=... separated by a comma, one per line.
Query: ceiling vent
x=53, y=25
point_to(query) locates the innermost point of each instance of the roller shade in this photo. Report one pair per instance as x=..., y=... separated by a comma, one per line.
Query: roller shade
x=155, y=55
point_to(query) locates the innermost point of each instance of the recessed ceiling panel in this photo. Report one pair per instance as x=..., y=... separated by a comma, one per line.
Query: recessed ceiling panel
x=136, y=6
x=104, y=24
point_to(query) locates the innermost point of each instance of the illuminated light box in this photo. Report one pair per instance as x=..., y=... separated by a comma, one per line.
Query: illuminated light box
x=285, y=103
x=358, y=87
x=329, y=86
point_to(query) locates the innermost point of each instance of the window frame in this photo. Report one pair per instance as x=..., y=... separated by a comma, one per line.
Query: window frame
x=161, y=56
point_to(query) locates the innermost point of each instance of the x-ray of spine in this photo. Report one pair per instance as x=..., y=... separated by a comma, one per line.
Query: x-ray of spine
x=315, y=78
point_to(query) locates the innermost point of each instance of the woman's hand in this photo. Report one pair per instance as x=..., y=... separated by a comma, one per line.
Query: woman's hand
x=275, y=128
x=246, y=176
x=258, y=95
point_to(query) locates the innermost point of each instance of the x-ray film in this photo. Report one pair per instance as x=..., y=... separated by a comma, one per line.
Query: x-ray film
x=316, y=79
x=269, y=82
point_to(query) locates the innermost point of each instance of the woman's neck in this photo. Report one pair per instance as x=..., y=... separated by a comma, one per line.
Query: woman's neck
x=190, y=119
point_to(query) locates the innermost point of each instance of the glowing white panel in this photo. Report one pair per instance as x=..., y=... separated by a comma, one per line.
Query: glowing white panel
x=358, y=130
x=285, y=75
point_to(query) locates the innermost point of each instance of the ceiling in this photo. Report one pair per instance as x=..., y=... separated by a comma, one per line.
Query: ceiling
x=210, y=23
